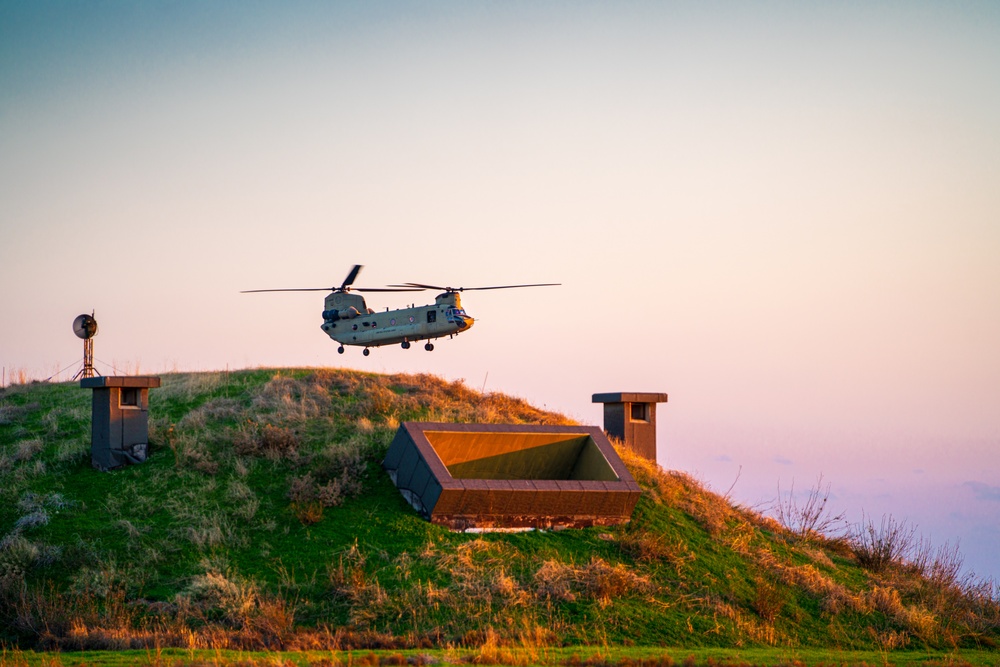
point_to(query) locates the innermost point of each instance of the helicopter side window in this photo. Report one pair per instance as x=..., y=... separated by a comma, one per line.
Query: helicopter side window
x=431, y=316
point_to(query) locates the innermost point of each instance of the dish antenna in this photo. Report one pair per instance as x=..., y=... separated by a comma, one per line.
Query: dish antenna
x=85, y=327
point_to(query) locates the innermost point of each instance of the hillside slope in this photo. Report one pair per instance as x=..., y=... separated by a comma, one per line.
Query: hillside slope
x=263, y=519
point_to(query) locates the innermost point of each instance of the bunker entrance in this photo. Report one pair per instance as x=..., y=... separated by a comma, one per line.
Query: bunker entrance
x=534, y=456
x=510, y=476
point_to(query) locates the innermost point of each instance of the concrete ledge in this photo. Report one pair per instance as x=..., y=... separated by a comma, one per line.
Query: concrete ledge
x=147, y=381
x=500, y=476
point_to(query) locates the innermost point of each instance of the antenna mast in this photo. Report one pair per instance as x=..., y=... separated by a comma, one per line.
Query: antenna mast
x=85, y=327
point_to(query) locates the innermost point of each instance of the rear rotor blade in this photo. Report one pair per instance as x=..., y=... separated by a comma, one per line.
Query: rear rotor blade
x=352, y=276
x=462, y=289
x=510, y=286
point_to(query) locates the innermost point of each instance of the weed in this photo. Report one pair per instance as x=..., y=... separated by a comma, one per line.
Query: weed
x=811, y=518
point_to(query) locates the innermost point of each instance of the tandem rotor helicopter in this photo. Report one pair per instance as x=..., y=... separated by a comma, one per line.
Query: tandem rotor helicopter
x=348, y=320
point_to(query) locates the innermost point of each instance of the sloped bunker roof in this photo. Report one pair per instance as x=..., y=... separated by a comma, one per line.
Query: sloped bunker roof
x=511, y=475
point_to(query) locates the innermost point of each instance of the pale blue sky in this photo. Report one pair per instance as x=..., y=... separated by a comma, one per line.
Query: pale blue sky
x=785, y=215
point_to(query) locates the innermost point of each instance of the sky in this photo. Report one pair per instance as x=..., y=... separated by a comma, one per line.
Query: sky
x=785, y=215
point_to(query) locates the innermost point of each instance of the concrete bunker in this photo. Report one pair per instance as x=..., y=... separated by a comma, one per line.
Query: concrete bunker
x=494, y=476
x=119, y=419
x=631, y=417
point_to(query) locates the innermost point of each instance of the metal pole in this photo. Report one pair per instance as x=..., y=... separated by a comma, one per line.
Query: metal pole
x=88, y=357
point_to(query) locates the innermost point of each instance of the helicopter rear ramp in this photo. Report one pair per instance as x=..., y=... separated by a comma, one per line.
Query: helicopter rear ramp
x=509, y=476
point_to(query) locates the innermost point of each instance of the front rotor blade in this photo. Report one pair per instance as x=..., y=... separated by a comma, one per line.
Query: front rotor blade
x=290, y=289
x=332, y=289
x=349, y=280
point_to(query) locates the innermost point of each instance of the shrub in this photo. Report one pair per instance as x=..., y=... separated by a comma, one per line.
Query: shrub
x=878, y=547
x=17, y=556
x=338, y=475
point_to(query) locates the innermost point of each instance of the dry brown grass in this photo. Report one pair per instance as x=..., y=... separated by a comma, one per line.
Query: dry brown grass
x=189, y=385
x=272, y=442
x=288, y=399
x=747, y=627
x=455, y=402
x=648, y=547
x=598, y=580
x=681, y=490
x=25, y=450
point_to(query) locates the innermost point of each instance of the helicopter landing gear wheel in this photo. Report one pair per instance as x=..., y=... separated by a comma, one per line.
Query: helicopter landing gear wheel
x=429, y=346
x=340, y=350
x=406, y=345
x=366, y=351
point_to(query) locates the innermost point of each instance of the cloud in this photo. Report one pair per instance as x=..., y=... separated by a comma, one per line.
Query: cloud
x=984, y=491
x=724, y=458
x=782, y=460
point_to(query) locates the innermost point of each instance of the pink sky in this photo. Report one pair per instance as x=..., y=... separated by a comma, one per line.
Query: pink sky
x=785, y=216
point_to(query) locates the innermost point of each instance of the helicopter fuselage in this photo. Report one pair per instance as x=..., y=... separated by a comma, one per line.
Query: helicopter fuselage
x=348, y=320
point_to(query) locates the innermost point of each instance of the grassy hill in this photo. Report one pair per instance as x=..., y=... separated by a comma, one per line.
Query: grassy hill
x=262, y=519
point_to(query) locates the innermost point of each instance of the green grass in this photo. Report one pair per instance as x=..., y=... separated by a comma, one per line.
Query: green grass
x=262, y=519
x=524, y=657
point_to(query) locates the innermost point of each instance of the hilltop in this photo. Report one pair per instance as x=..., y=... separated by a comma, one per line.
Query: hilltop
x=262, y=519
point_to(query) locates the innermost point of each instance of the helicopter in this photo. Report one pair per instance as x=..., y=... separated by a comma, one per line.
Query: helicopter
x=348, y=320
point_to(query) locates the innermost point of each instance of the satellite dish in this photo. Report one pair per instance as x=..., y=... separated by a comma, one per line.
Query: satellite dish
x=85, y=326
